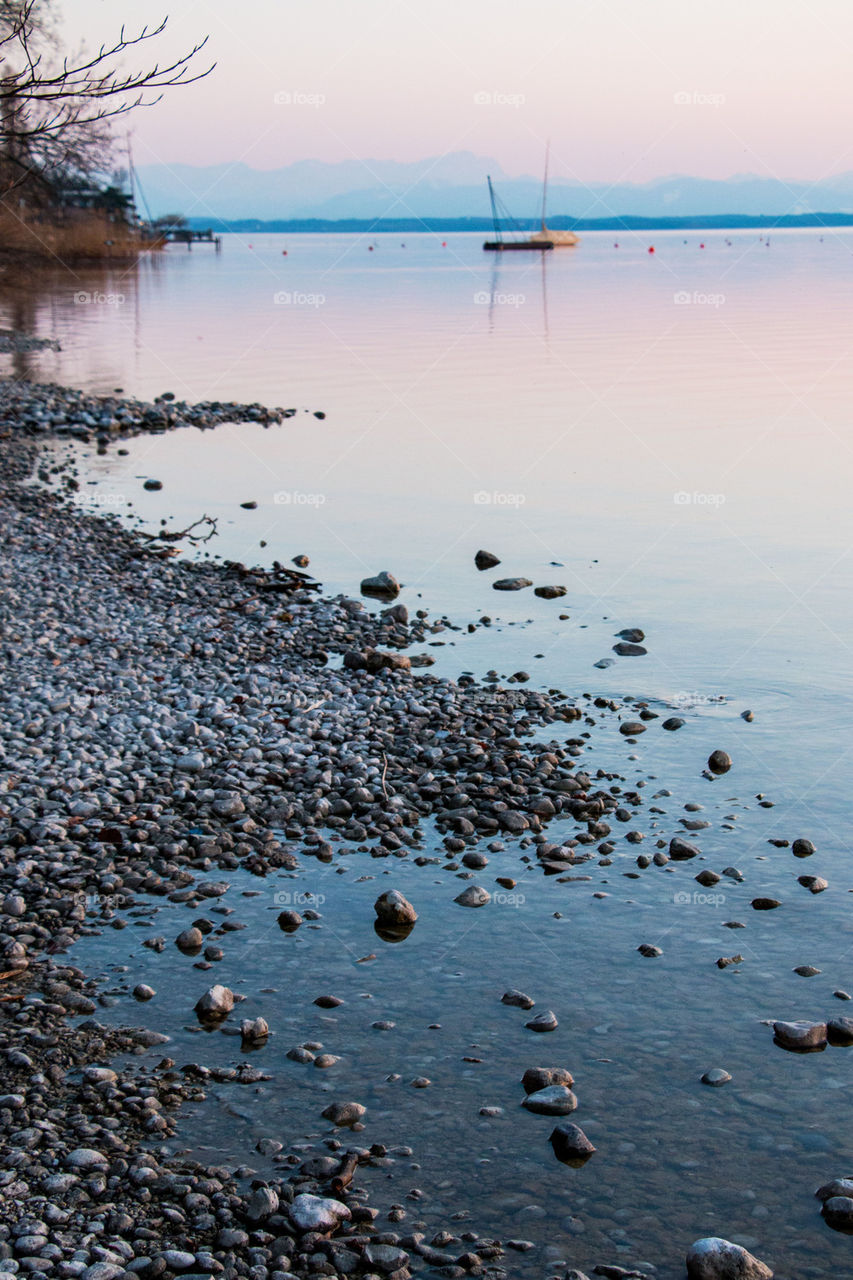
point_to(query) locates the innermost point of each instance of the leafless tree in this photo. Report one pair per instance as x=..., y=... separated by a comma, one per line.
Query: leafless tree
x=55, y=110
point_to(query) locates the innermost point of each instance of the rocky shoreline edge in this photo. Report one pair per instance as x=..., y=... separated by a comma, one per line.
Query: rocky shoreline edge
x=163, y=721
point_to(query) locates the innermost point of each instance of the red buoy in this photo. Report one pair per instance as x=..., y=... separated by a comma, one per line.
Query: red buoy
x=651, y=248
x=701, y=246
x=444, y=244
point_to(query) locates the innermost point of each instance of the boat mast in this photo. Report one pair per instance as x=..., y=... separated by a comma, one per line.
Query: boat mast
x=494, y=210
x=545, y=183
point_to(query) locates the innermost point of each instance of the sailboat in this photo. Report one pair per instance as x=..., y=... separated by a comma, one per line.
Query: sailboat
x=499, y=245
x=543, y=239
x=558, y=239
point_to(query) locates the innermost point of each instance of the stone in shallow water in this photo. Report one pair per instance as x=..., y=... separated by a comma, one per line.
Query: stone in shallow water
x=571, y=1145
x=719, y=762
x=802, y=848
x=518, y=999
x=800, y=1035
x=814, y=884
x=715, y=1077
x=549, y=593
x=838, y=1212
x=383, y=586
x=215, y=1003
x=511, y=584
x=393, y=908
x=673, y=723
x=632, y=728
x=555, y=1100
x=651, y=952
x=840, y=1031
x=626, y=650
x=717, y=1259
x=546, y=1021
x=474, y=896
x=536, y=1078
x=344, y=1113
x=486, y=560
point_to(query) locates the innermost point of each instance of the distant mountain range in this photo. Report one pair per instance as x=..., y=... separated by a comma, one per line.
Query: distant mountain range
x=454, y=186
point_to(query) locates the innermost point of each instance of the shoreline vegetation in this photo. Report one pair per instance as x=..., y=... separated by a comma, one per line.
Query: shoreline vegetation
x=207, y=736
x=73, y=239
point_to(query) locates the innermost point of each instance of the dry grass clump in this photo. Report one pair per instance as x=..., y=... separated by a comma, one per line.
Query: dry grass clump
x=81, y=236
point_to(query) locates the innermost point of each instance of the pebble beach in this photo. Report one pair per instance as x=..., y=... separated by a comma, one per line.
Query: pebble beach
x=166, y=724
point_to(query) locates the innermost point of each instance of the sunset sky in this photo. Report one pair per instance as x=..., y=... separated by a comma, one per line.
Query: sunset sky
x=626, y=92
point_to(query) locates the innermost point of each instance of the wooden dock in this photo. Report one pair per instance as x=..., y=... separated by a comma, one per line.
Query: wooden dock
x=183, y=235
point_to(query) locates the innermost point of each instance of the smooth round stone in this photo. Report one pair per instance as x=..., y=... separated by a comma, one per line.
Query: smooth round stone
x=632, y=728
x=474, y=896
x=715, y=1077
x=556, y=1100
x=518, y=999
x=803, y=848
x=672, y=723
x=536, y=1078
x=650, y=952
x=719, y=762
x=814, y=884
x=546, y=1021
x=143, y=992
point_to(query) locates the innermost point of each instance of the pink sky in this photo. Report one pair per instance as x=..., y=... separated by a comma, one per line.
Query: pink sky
x=626, y=92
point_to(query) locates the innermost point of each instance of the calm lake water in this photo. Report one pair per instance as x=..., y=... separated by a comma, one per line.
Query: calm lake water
x=669, y=436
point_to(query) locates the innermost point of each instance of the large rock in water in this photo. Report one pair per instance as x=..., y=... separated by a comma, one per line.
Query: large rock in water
x=485, y=560
x=512, y=584
x=384, y=586
x=393, y=908
x=570, y=1144
x=803, y=1036
x=217, y=1002
x=716, y=1259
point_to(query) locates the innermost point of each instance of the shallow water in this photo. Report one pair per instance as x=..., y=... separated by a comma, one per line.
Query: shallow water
x=582, y=399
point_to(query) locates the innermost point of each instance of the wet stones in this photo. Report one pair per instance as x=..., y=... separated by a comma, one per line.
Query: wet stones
x=814, y=884
x=545, y=1021
x=485, y=560
x=143, y=992
x=344, y=1114
x=190, y=940
x=715, y=1259
x=571, y=1145
x=839, y=1031
x=632, y=728
x=537, y=1078
x=549, y=593
x=716, y=1077
x=153, y=486
x=474, y=896
x=803, y=848
x=392, y=908
x=837, y=1212
x=84, y=1159
x=317, y=1213
x=383, y=586
x=650, y=951
x=672, y=723
x=681, y=850
x=328, y=1002
x=216, y=1003
x=511, y=584
x=262, y=1204
x=289, y=921
x=719, y=762
x=554, y=1100
x=765, y=904
x=625, y=649
x=803, y=1037
x=518, y=999
x=254, y=1031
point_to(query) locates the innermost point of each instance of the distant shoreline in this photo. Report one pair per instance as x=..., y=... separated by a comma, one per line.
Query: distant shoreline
x=710, y=222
